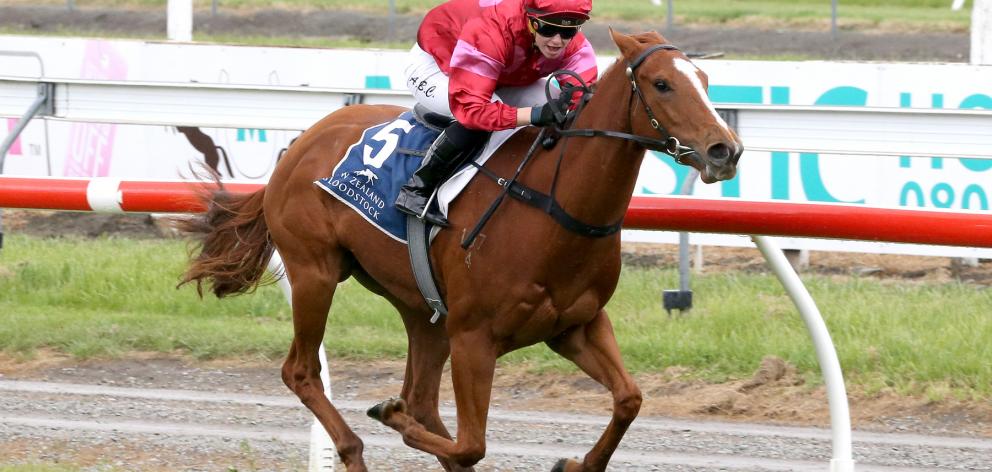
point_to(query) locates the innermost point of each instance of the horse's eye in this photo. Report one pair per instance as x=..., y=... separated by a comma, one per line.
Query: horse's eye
x=662, y=86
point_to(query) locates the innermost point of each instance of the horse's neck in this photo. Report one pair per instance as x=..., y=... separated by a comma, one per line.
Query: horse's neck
x=600, y=173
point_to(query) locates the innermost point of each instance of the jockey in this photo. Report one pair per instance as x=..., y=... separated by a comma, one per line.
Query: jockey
x=485, y=63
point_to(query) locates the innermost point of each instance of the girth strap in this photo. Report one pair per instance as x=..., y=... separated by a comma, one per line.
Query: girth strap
x=418, y=245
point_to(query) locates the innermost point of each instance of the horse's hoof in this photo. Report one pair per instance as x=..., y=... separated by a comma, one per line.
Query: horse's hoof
x=384, y=410
x=375, y=412
x=561, y=465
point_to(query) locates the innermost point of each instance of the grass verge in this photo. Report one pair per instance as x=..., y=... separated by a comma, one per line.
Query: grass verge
x=107, y=297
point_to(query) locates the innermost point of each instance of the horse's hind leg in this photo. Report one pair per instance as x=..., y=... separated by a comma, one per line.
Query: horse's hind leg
x=426, y=355
x=313, y=286
x=473, y=362
x=593, y=347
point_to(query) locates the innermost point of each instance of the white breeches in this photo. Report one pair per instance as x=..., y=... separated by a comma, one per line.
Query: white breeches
x=429, y=86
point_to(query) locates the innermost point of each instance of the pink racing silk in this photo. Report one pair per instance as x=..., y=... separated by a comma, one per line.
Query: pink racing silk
x=483, y=45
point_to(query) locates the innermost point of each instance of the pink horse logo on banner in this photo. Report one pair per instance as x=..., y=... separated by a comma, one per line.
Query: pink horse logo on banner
x=91, y=145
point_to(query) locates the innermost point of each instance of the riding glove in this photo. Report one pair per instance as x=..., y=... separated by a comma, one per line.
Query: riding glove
x=543, y=115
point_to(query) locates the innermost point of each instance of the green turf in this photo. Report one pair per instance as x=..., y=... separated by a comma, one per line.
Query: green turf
x=107, y=297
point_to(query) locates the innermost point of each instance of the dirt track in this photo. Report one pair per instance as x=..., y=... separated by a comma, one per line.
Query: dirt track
x=151, y=413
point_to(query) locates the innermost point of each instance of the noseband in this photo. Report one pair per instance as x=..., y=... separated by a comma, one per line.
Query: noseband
x=669, y=145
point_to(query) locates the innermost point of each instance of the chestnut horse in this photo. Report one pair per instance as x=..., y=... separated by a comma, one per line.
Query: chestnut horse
x=525, y=279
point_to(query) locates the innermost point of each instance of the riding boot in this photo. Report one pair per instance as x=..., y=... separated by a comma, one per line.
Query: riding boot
x=447, y=152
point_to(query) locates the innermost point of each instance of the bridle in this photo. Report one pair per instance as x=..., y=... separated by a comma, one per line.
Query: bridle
x=669, y=144
x=547, y=202
x=673, y=146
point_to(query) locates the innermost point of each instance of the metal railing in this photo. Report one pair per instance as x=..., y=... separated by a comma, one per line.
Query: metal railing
x=873, y=131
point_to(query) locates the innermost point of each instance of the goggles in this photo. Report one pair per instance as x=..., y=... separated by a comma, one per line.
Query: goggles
x=549, y=30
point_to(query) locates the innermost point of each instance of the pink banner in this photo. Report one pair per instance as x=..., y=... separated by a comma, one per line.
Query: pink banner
x=15, y=149
x=91, y=145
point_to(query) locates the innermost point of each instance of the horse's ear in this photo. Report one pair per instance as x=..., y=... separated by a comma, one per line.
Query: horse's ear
x=628, y=45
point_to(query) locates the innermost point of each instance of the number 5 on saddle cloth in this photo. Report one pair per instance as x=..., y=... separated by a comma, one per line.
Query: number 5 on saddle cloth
x=369, y=177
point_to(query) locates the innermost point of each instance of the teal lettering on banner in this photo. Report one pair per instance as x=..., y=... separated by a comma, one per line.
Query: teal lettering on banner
x=732, y=187
x=728, y=188
x=974, y=191
x=905, y=100
x=780, y=160
x=942, y=195
x=977, y=100
x=780, y=95
x=680, y=172
x=911, y=187
x=249, y=135
x=735, y=93
x=377, y=82
x=937, y=100
x=809, y=163
x=780, y=175
x=977, y=165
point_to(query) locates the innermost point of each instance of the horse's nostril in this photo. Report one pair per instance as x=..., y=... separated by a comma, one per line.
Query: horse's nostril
x=719, y=153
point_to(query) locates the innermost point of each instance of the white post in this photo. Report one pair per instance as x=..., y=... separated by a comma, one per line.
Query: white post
x=179, y=20
x=322, y=450
x=826, y=355
x=981, y=32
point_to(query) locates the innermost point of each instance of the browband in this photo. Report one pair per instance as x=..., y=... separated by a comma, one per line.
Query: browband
x=647, y=52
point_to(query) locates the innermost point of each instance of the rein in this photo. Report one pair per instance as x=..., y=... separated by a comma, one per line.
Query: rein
x=547, y=202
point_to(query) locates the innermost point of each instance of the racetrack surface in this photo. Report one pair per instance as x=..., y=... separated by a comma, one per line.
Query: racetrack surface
x=159, y=414
x=194, y=430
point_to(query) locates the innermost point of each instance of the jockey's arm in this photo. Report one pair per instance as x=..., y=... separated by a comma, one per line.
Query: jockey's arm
x=523, y=116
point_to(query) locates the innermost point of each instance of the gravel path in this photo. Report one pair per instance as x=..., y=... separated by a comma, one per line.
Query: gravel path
x=214, y=421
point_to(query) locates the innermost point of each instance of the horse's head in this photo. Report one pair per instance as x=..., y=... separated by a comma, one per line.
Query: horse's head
x=670, y=102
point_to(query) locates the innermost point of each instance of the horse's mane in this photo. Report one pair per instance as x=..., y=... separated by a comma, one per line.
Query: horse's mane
x=649, y=37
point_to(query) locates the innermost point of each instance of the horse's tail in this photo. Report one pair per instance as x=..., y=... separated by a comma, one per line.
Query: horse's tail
x=233, y=242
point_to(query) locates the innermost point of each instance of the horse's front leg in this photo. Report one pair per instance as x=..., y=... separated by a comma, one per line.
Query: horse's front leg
x=593, y=347
x=473, y=361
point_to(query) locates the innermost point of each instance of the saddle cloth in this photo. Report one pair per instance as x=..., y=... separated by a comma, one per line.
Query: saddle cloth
x=374, y=169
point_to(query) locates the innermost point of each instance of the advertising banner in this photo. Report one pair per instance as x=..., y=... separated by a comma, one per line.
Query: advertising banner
x=129, y=151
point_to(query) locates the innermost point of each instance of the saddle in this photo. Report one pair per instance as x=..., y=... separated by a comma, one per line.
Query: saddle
x=430, y=118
